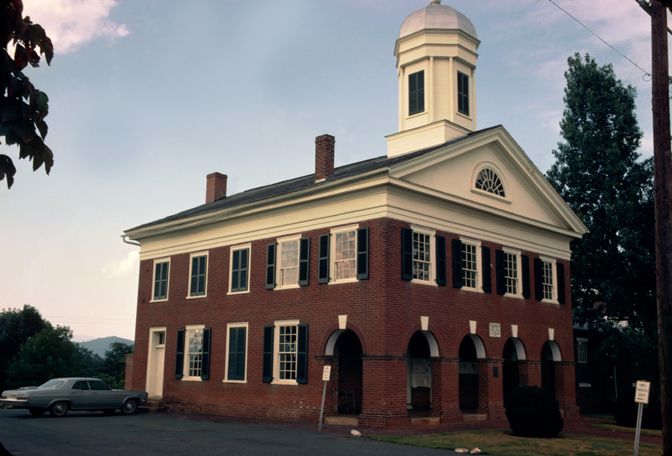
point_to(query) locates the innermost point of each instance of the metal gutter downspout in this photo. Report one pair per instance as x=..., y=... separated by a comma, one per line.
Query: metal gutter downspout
x=129, y=241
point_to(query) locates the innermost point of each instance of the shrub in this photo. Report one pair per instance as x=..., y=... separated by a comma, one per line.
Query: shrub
x=533, y=412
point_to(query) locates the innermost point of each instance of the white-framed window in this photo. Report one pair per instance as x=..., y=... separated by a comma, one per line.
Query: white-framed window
x=512, y=273
x=193, y=352
x=236, y=353
x=548, y=280
x=288, y=262
x=471, y=265
x=423, y=255
x=343, y=254
x=161, y=280
x=286, y=347
x=198, y=275
x=581, y=350
x=239, y=265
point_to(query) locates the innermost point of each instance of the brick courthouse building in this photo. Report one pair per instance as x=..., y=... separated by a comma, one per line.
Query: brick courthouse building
x=433, y=279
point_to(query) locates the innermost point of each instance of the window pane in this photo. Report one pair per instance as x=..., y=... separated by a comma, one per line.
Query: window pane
x=289, y=262
x=345, y=251
x=421, y=256
x=198, y=275
x=236, y=369
x=511, y=273
x=195, y=352
x=287, y=352
x=469, y=265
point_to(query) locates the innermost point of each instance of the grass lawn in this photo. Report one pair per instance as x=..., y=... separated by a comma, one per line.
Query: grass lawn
x=501, y=443
x=613, y=427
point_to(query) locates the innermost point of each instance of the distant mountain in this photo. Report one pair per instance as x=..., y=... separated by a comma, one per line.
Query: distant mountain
x=101, y=345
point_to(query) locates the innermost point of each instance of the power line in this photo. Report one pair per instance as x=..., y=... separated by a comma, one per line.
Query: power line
x=647, y=75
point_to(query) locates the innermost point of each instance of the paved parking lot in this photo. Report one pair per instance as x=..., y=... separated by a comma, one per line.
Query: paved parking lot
x=167, y=434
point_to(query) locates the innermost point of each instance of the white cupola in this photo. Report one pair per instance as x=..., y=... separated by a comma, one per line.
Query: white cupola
x=436, y=66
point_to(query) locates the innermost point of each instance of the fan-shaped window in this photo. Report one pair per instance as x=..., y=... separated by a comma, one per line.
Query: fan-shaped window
x=490, y=182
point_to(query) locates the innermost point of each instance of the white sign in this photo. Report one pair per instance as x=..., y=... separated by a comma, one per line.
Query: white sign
x=495, y=330
x=642, y=392
x=326, y=373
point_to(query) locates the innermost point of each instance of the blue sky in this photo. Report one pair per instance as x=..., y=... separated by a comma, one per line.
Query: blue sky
x=149, y=96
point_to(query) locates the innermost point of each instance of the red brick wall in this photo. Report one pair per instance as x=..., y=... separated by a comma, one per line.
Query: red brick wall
x=384, y=311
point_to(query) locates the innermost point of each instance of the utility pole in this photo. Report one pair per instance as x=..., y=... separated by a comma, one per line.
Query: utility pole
x=662, y=159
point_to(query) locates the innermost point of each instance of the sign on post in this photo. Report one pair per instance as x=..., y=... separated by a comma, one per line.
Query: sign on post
x=641, y=398
x=326, y=374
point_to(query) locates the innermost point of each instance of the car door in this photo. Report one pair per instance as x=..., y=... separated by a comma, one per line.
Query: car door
x=80, y=395
x=102, y=396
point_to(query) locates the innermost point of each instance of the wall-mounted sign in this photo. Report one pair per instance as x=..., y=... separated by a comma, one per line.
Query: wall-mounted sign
x=495, y=330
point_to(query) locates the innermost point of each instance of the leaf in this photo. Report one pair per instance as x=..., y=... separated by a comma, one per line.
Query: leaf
x=42, y=127
x=20, y=57
x=7, y=170
x=41, y=101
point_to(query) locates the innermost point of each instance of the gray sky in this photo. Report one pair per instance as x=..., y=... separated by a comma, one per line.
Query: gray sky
x=149, y=96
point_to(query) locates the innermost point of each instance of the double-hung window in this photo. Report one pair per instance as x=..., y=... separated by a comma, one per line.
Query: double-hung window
x=471, y=265
x=288, y=264
x=423, y=256
x=161, y=279
x=287, y=347
x=462, y=93
x=240, y=269
x=547, y=279
x=416, y=93
x=286, y=353
x=193, y=353
x=198, y=269
x=423, y=246
x=581, y=350
x=236, y=354
x=343, y=255
x=512, y=269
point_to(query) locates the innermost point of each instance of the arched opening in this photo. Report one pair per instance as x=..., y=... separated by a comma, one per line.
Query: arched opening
x=514, y=352
x=419, y=392
x=471, y=350
x=348, y=373
x=550, y=354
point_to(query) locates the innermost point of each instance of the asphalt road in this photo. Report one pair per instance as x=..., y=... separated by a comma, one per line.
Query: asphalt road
x=83, y=433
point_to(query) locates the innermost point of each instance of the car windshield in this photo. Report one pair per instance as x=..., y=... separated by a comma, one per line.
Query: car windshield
x=51, y=384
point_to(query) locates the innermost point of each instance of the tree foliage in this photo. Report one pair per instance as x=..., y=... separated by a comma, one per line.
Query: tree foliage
x=599, y=172
x=113, y=369
x=22, y=106
x=16, y=327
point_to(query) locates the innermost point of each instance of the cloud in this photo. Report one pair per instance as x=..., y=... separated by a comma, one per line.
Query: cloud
x=122, y=267
x=73, y=23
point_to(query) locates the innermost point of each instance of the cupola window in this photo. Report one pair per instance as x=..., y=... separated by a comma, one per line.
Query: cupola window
x=490, y=182
x=462, y=93
x=416, y=93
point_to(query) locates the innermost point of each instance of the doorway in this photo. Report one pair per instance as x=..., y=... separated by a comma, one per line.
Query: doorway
x=155, y=362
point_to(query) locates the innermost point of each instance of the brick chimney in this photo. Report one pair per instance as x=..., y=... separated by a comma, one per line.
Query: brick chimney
x=215, y=187
x=324, y=157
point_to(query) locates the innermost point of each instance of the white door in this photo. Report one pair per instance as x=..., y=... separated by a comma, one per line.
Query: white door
x=155, y=361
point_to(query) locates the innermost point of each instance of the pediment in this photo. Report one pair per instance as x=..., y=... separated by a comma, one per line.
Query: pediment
x=452, y=171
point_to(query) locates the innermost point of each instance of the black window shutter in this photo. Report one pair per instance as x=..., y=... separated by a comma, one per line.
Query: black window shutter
x=302, y=355
x=304, y=261
x=538, y=289
x=525, y=263
x=485, y=263
x=441, y=261
x=323, y=260
x=561, y=282
x=499, y=271
x=179, y=358
x=270, y=266
x=457, y=263
x=362, y=253
x=406, y=254
x=205, y=367
x=268, y=354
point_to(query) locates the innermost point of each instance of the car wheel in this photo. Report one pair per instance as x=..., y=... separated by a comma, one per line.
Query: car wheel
x=59, y=408
x=129, y=407
x=36, y=411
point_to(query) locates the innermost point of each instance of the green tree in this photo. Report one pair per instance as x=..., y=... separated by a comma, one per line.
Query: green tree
x=48, y=354
x=16, y=327
x=22, y=106
x=113, y=369
x=599, y=172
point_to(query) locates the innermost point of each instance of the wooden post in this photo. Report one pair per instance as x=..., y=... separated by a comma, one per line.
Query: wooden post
x=662, y=158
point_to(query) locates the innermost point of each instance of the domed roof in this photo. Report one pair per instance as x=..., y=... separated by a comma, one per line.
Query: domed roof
x=436, y=16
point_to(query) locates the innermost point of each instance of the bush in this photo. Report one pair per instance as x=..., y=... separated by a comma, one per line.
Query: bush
x=533, y=412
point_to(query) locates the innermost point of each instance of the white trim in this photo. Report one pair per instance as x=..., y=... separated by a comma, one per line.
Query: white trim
x=159, y=261
x=233, y=249
x=230, y=326
x=206, y=254
x=332, y=253
x=432, y=254
x=479, y=265
x=278, y=257
x=276, y=345
x=185, y=351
